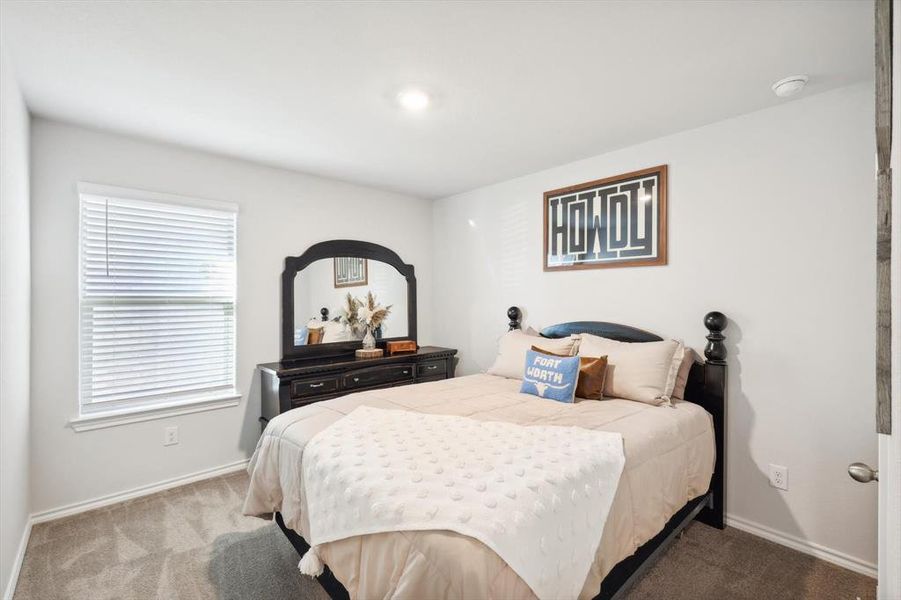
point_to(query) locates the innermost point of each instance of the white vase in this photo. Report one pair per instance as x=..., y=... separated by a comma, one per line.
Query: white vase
x=368, y=339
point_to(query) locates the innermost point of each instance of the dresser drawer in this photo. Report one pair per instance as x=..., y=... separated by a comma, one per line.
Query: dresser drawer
x=314, y=387
x=431, y=368
x=298, y=402
x=378, y=375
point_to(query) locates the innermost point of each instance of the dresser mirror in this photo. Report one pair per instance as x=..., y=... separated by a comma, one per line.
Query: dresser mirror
x=329, y=288
x=329, y=293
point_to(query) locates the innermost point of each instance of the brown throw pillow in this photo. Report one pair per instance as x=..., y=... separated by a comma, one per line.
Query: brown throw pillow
x=592, y=373
x=314, y=336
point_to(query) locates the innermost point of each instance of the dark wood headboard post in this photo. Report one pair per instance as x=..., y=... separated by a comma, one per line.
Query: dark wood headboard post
x=324, y=312
x=714, y=391
x=515, y=316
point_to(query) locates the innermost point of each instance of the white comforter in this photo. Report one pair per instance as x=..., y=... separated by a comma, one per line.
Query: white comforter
x=505, y=485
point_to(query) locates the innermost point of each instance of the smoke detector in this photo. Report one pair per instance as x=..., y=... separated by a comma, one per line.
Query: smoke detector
x=789, y=86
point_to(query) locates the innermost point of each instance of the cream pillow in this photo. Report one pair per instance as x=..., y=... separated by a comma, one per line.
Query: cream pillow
x=642, y=371
x=690, y=358
x=512, y=348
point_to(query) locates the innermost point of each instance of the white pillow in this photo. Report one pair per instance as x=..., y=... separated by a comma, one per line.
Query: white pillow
x=642, y=371
x=512, y=348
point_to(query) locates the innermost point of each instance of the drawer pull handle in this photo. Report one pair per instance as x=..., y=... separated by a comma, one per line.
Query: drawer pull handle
x=406, y=372
x=316, y=385
x=356, y=379
x=432, y=367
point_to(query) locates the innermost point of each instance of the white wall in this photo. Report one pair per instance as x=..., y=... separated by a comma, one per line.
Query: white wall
x=281, y=214
x=15, y=334
x=772, y=221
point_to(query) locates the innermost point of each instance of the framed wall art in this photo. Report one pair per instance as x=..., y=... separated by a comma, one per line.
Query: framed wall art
x=350, y=271
x=613, y=222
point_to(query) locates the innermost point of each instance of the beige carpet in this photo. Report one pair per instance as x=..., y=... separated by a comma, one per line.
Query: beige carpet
x=192, y=542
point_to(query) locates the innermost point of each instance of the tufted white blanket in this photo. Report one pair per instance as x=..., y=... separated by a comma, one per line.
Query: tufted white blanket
x=537, y=496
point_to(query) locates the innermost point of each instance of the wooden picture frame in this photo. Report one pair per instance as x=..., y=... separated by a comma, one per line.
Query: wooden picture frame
x=581, y=233
x=350, y=271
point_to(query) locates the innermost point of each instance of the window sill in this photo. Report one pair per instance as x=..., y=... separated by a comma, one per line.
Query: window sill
x=101, y=420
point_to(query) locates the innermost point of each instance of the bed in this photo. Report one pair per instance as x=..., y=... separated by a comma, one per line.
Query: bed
x=673, y=474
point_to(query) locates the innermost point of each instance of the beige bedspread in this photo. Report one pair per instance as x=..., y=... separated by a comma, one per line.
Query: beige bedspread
x=669, y=460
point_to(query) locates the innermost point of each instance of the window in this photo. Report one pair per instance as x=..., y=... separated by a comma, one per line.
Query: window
x=157, y=305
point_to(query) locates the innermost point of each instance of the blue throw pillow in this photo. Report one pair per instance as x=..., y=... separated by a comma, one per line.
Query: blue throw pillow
x=552, y=377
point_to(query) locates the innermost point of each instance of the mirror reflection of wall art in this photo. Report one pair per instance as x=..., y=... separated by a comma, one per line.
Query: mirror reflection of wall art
x=614, y=222
x=350, y=271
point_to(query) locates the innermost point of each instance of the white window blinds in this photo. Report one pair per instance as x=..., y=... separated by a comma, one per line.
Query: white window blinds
x=157, y=302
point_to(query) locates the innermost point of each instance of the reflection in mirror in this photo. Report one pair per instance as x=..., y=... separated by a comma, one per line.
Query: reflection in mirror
x=322, y=312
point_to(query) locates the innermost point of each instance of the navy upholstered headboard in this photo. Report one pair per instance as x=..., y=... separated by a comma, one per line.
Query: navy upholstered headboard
x=613, y=331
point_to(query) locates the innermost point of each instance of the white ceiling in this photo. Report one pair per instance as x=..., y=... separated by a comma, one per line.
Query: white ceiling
x=518, y=87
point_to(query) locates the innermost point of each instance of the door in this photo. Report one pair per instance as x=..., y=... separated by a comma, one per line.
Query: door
x=890, y=445
x=888, y=373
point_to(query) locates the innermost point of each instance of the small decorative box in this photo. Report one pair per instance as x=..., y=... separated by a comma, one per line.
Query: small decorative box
x=401, y=346
x=373, y=353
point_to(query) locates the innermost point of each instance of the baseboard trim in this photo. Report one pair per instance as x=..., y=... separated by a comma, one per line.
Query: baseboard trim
x=17, y=563
x=144, y=490
x=801, y=545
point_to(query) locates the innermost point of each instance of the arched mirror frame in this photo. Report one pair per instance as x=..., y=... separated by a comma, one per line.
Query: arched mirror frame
x=333, y=249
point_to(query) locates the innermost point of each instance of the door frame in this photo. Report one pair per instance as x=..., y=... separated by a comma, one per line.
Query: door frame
x=889, y=512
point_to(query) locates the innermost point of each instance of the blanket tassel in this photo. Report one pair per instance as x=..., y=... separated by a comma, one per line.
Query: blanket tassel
x=311, y=564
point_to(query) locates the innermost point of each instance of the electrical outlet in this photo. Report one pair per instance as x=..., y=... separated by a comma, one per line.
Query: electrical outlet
x=779, y=477
x=170, y=436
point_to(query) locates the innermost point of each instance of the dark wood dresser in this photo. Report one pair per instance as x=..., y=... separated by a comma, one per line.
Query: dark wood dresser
x=298, y=382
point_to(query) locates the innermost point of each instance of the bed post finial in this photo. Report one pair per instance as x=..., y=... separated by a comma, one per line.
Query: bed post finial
x=713, y=398
x=324, y=312
x=515, y=316
x=715, y=350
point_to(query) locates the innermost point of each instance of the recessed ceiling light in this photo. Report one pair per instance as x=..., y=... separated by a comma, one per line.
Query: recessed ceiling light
x=789, y=86
x=413, y=99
